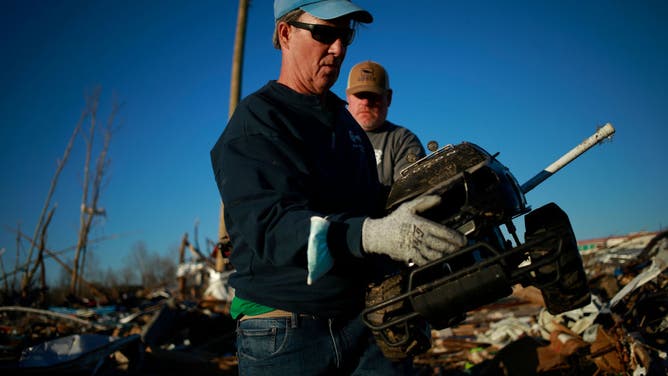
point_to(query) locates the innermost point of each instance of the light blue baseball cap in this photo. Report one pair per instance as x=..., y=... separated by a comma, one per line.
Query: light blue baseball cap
x=323, y=9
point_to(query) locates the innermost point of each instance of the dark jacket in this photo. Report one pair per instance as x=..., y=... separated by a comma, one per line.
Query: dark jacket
x=281, y=159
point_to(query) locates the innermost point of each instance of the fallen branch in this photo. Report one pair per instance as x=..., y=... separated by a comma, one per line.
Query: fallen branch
x=53, y=314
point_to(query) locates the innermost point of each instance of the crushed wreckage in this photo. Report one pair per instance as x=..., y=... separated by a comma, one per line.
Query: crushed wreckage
x=623, y=331
x=150, y=333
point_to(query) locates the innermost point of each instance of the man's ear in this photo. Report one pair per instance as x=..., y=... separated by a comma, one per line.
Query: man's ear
x=389, y=97
x=283, y=34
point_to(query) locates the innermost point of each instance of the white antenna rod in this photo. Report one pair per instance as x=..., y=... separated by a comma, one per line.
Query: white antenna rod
x=601, y=134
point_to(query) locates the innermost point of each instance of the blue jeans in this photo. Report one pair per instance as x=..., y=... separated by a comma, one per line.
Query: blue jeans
x=310, y=346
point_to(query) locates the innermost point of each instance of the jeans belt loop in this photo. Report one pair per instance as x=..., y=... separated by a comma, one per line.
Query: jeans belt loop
x=294, y=324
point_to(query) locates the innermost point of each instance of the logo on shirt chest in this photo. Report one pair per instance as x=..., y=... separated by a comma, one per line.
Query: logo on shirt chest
x=379, y=156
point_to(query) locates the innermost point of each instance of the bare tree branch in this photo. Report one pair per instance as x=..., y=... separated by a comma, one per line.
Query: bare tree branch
x=16, y=264
x=70, y=270
x=20, y=235
x=89, y=207
x=4, y=272
x=53, y=314
x=54, y=181
x=92, y=102
x=40, y=254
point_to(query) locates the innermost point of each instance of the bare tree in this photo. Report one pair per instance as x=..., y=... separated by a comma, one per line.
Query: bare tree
x=92, y=270
x=140, y=256
x=165, y=270
x=63, y=281
x=4, y=272
x=155, y=270
x=91, y=192
x=18, y=252
x=21, y=267
x=40, y=256
x=128, y=275
x=52, y=255
x=28, y=275
x=110, y=278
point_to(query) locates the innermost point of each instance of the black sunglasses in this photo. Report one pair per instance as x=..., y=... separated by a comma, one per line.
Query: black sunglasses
x=326, y=34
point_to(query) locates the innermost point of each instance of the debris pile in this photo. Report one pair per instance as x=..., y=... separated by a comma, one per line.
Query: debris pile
x=144, y=332
x=623, y=331
x=158, y=335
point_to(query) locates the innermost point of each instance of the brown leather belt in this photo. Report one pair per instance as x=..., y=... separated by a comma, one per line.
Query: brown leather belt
x=277, y=313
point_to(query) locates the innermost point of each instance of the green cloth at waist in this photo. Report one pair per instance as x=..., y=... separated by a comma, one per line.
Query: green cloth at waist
x=240, y=307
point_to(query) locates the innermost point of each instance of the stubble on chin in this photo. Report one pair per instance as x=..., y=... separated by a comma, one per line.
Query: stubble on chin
x=365, y=120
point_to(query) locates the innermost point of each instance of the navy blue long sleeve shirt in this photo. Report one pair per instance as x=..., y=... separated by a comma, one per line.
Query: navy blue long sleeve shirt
x=281, y=159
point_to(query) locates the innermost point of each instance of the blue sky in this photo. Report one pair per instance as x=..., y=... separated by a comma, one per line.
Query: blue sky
x=528, y=79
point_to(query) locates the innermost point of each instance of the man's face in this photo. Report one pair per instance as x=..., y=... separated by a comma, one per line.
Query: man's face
x=313, y=66
x=369, y=109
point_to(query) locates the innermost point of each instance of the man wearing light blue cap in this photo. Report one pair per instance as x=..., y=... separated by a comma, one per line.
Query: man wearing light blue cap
x=325, y=10
x=304, y=209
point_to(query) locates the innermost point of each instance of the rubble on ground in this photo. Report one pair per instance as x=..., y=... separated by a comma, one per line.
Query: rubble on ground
x=623, y=331
x=156, y=337
x=163, y=331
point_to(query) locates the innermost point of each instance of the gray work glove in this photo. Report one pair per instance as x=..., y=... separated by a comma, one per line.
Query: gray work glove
x=405, y=236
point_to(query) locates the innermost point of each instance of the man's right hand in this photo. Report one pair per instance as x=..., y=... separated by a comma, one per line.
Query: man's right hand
x=405, y=236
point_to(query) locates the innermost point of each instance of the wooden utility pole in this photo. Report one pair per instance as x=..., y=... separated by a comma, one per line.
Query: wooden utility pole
x=238, y=58
x=235, y=94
